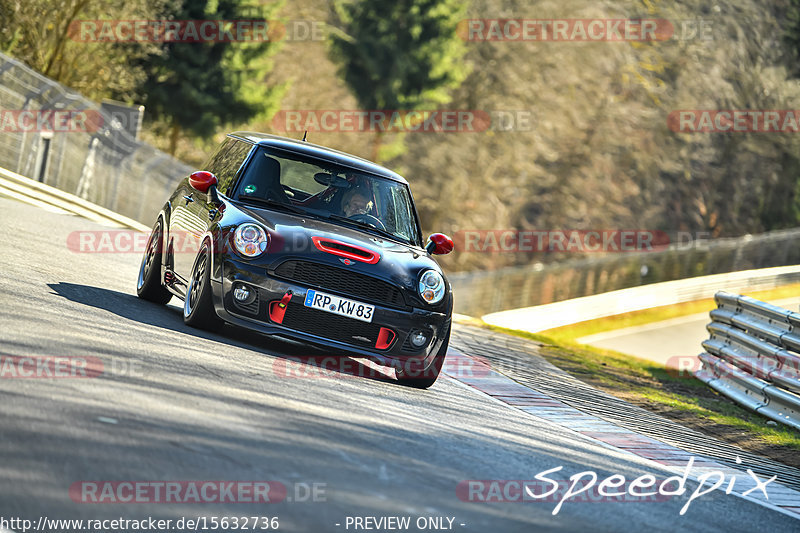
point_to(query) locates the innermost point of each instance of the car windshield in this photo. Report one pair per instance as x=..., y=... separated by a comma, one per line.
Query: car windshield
x=322, y=189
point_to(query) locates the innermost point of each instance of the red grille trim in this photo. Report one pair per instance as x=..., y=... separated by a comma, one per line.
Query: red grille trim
x=348, y=251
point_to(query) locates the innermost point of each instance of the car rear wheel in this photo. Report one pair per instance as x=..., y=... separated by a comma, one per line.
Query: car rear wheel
x=198, y=307
x=423, y=379
x=149, y=286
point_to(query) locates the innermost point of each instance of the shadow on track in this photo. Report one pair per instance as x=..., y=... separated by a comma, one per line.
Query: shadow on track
x=302, y=360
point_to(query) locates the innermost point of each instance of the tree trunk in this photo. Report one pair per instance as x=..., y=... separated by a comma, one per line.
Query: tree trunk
x=174, y=135
x=62, y=38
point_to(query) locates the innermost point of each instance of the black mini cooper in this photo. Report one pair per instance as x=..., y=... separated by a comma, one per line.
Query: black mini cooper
x=292, y=239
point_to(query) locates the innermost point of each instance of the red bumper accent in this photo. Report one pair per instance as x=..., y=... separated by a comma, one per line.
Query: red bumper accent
x=385, y=338
x=277, y=308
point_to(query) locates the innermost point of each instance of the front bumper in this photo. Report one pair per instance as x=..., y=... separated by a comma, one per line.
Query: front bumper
x=320, y=328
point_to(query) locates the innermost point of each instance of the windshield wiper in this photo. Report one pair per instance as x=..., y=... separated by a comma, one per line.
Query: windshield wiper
x=368, y=226
x=272, y=203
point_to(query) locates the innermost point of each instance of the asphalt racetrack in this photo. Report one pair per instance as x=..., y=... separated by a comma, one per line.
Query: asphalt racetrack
x=318, y=451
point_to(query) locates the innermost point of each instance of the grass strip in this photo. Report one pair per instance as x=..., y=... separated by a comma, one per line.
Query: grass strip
x=682, y=398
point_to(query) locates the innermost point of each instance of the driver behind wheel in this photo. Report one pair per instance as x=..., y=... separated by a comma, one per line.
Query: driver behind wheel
x=355, y=203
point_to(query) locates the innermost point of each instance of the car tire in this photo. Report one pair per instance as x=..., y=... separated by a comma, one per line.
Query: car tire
x=148, y=285
x=411, y=378
x=198, y=306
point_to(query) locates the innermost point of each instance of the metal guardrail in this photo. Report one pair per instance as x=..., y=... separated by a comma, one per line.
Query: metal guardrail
x=103, y=165
x=752, y=356
x=481, y=293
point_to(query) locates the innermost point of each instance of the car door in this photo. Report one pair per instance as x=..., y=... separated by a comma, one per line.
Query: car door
x=187, y=227
x=189, y=219
x=192, y=212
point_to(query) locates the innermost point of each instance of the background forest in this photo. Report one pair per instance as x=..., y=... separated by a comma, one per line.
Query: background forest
x=596, y=150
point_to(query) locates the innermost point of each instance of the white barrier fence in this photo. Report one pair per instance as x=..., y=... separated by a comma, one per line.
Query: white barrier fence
x=548, y=316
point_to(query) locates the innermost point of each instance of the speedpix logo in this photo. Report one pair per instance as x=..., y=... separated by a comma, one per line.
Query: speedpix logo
x=588, y=487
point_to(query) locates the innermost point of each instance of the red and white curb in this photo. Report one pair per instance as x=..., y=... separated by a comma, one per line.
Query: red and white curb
x=670, y=458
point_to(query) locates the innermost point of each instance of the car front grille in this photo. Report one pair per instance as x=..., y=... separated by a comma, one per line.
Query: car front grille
x=315, y=322
x=345, y=282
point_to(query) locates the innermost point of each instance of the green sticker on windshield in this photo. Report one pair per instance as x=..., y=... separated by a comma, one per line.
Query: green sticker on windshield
x=250, y=189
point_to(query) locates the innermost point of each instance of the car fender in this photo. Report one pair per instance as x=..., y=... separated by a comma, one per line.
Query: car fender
x=215, y=236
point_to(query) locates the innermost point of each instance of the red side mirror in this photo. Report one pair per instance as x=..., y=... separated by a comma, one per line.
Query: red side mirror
x=202, y=180
x=439, y=244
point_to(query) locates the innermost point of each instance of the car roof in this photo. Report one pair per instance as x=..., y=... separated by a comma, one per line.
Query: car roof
x=314, y=150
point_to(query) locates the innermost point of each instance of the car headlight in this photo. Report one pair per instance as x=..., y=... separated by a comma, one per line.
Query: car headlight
x=250, y=240
x=431, y=286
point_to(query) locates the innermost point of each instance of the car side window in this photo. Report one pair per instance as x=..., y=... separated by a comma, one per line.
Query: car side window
x=226, y=162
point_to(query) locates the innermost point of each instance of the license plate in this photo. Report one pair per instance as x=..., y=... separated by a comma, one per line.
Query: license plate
x=339, y=306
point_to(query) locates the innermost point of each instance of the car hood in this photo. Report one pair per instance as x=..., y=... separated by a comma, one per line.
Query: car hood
x=291, y=238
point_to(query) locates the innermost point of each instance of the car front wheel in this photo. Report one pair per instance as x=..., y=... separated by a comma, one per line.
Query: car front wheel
x=423, y=379
x=198, y=307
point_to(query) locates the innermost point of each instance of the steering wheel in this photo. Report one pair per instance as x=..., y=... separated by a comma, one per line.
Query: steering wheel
x=368, y=219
